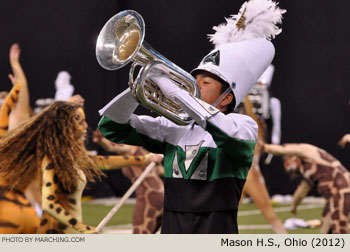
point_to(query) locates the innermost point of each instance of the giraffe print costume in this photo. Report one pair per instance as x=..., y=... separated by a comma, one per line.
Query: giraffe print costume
x=148, y=209
x=322, y=170
x=149, y=197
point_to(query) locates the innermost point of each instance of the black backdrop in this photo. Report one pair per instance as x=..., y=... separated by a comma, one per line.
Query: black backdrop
x=311, y=58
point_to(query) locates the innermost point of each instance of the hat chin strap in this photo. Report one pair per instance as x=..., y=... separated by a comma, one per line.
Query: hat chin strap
x=222, y=96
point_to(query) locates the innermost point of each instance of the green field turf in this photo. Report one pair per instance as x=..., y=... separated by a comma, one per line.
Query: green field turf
x=258, y=219
x=93, y=214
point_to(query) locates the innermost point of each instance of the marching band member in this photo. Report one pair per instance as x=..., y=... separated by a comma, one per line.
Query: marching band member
x=206, y=162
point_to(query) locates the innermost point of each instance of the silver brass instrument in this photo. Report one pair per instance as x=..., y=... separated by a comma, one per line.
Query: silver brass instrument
x=260, y=98
x=122, y=40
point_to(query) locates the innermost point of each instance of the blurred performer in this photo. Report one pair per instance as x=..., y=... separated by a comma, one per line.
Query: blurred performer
x=265, y=106
x=17, y=214
x=64, y=89
x=207, y=161
x=60, y=163
x=22, y=111
x=318, y=168
x=64, y=92
x=149, y=194
x=16, y=108
x=256, y=105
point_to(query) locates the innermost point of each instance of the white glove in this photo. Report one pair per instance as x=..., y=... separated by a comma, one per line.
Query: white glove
x=166, y=85
x=121, y=107
x=196, y=108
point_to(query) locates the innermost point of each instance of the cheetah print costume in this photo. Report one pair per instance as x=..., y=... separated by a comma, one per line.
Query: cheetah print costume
x=62, y=210
x=17, y=216
x=332, y=180
x=6, y=108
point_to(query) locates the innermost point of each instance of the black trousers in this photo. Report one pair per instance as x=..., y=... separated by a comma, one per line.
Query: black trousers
x=221, y=222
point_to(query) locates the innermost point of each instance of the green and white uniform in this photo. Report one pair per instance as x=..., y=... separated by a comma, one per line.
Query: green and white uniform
x=205, y=166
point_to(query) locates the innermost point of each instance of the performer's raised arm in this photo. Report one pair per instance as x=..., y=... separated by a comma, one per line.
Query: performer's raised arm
x=109, y=146
x=286, y=149
x=118, y=162
x=21, y=110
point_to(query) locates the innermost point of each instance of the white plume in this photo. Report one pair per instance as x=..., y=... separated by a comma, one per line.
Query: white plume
x=256, y=19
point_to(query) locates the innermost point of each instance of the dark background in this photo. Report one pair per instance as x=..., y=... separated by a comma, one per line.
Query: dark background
x=311, y=61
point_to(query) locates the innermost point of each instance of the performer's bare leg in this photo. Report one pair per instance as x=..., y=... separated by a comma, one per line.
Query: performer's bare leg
x=256, y=189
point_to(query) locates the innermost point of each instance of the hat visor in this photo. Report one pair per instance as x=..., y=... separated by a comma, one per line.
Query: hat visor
x=195, y=71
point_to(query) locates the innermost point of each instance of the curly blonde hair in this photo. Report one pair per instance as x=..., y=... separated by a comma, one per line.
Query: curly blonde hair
x=50, y=133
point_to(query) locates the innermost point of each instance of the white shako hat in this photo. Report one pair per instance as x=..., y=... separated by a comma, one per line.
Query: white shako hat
x=242, y=50
x=267, y=76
